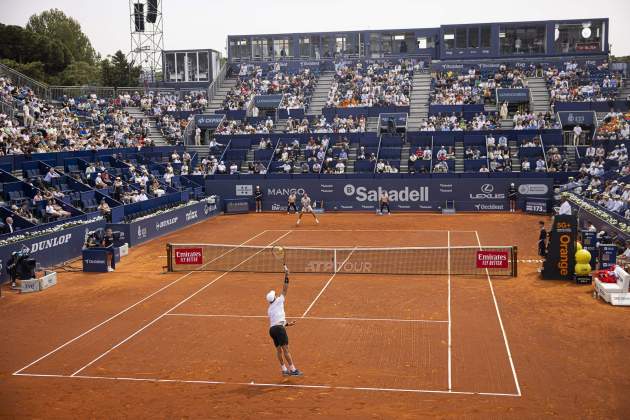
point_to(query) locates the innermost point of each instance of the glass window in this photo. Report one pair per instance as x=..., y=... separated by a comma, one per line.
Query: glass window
x=204, y=66
x=449, y=39
x=460, y=38
x=239, y=48
x=386, y=43
x=340, y=44
x=305, y=47
x=375, y=45
x=281, y=47
x=473, y=37
x=181, y=67
x=485, y=36
x=579, y=37
x=169, y=67
x=315, y=41
x=424, y=42
x=328, y=46
x=523, y=40
x=191, y=74
x=261, y=47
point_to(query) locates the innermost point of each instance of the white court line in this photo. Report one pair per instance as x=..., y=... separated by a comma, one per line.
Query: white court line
x=505, y=339
x=177, y=305
x=274, y=385
x=450, y=380
x=327, y=283
x=323, y=318
x=375, y=230
x=126, y=309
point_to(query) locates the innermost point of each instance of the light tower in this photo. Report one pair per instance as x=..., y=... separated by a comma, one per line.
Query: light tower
x=147, y=40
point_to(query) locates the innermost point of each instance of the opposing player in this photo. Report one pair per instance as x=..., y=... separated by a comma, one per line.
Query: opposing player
x=306, y=208
x=277, y=329
x=383, y=201
x=291, y=202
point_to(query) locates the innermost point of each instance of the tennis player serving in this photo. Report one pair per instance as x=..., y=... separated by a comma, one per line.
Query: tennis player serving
x=277, y=329
x=306, y=208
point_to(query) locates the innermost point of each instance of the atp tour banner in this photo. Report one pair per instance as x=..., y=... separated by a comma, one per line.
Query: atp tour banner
x=513, y=96
x=51, y=249
x=144, y=230
x=410, y=194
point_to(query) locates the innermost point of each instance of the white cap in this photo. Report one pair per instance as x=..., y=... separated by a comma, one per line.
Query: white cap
x=271, y=296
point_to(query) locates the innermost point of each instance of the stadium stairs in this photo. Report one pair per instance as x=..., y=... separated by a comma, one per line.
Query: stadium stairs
x=405, y=152
x=154, y=132
x=539, y=94
x=516, y=162
x=320, y=95
x=459, y=156
x=419, y=108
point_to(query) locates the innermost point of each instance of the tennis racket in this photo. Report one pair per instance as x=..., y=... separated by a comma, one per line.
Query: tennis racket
x=279, y=253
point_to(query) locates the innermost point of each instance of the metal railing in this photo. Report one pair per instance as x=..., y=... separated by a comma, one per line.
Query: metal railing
x=7, y=109
x=217, y=83
x=41, y=89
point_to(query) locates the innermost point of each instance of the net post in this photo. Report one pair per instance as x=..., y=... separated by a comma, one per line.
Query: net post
x=169, y=260
x=514, y=261
x=334, y=260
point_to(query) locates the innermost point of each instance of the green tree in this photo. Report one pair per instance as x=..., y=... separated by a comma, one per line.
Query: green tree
x=80, y=73
x=117, y=71
x=54, y=25
x=24, y=46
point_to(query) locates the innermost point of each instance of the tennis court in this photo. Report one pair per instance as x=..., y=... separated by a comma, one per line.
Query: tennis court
x=390, y=336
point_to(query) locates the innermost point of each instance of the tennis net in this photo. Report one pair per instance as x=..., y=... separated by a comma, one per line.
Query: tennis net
x=455, y=260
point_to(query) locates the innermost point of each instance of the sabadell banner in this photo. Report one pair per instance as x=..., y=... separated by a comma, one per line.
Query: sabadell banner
x=404, y=194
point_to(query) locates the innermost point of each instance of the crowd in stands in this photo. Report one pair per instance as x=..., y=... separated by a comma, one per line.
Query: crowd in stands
x=320, y=124
x=232, y=127
x=579, y=83
x=459, y=123
x=531, y=121
x=155, y=103
x=377, y=84
x=296, y=88
x=87, y=123
x=615, y=126
x=474, y=86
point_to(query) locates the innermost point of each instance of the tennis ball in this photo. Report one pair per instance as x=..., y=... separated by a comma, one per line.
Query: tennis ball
x=578, y=245
x=582, y=269
x=583, y=256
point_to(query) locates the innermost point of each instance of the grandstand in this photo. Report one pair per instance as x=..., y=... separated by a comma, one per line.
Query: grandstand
x=472, y=118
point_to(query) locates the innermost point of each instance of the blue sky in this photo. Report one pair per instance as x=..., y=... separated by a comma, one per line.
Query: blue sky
x=205, y=24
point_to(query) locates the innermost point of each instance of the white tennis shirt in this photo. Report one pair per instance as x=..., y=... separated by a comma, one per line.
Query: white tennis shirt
x=275, y=312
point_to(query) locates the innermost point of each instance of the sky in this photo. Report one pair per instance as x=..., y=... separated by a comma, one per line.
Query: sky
x=198, y=24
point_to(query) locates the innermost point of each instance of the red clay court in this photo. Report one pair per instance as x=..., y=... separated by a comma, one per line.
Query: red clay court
x=143, y=343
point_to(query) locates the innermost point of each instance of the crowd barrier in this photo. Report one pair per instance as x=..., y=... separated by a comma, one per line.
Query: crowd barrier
x=161, y=223
x=52, y=248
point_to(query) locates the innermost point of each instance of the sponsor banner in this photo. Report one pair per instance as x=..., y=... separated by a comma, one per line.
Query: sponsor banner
x=52, y=249
x=362, y=194
x=492, y=259
x=513, y=96
x=144, y=230
x=589, y=243
x=208, y=120
x=237, y=206
x=570, y=119
x=560, y=261
x=536, y=206
x=607, y=255
x=189, y=255
x=267, y=101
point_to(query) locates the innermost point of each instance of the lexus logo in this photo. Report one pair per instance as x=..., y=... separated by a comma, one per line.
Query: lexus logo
x=487, y=188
